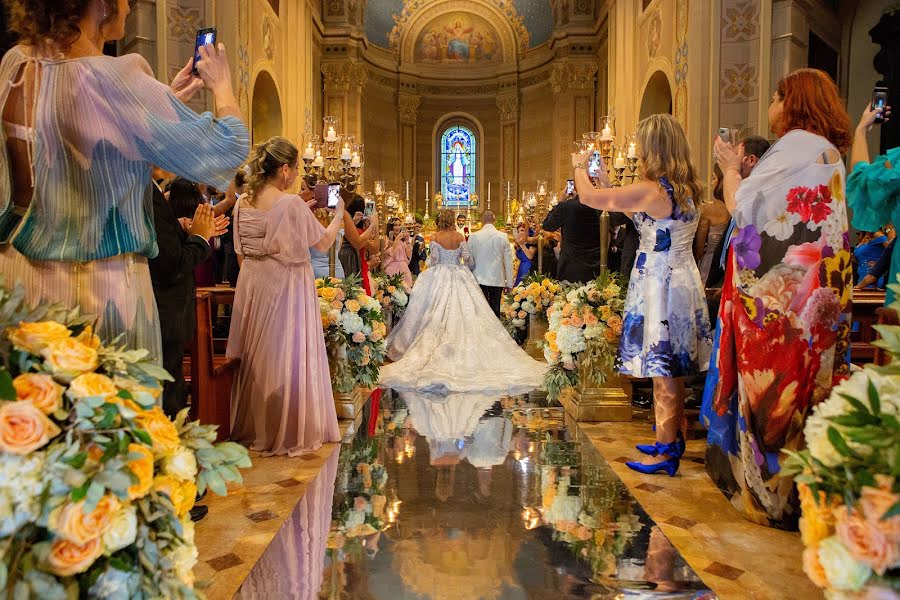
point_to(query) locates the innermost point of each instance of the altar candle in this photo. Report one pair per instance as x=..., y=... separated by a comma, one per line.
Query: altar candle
x=319, y=161
x=426, y=190
x=331, y=136
x=407, y=190
x=620, y=162
x=632, y=150
x=489, y=194
x=542, y=192
x=309, y=153
x=354, y=160
x=507, y=190
x=606, y=134
x=345, y=152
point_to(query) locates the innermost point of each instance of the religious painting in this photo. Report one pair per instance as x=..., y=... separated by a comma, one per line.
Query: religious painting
x=458, y=165
x=458, y=39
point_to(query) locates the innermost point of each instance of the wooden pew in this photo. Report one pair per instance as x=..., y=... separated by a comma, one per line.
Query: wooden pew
x=211, y=373
x=865, y=306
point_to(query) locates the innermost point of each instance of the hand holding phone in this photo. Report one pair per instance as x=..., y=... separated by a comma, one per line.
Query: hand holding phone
x=205, y=37
x=334, y=194
x=879, y=103
x=570, y=187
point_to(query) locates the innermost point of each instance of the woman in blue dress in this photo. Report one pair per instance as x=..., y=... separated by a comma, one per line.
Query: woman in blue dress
x=666, y=332
x=524, y=253
x=869, y=249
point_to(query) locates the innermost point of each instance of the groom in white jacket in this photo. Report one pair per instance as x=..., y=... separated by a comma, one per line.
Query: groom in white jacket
x=493, y=258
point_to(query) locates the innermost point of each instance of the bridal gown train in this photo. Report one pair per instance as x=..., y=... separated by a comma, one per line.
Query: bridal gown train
x=449, y=339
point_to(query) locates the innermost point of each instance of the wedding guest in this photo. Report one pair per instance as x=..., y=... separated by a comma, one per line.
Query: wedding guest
x=230, y=269
x=419, y=254
x=579, y=252
x=321, y=261
x=666, y=331
x=873, y=188
x=627, y=242
x=785, y=307
x=881, y=267
x=359, y=238
x=398, y=252
x=869, y=248
x=184, y=198
x=525, y=252
x=714, y=219
x=104, y=121
x=281, y=401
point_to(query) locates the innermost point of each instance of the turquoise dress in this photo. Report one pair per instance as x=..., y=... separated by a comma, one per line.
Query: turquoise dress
x=873, y=193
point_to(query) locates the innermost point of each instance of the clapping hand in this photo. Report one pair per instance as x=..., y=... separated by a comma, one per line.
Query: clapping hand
x=727, y=156
x=221, y=223
x=203, y=224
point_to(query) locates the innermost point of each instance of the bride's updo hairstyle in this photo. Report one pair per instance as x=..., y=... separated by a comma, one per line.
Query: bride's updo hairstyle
x=265, y=160
x=445, y=221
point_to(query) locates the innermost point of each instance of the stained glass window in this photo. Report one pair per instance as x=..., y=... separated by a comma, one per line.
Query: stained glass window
x=458, y=166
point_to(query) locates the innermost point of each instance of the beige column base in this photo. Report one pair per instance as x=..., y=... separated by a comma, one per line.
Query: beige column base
x=592, y=402
x=349, y=404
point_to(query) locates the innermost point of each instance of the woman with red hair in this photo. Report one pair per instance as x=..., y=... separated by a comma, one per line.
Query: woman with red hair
x=784, y=318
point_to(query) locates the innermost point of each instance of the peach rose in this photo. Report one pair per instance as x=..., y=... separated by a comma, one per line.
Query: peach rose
x=874, y=503
x=92, y=384
x=353, y=306
x=336, y=304
x=68, y=558
x=576, y=321
x=522, y=314
x=182, y=494
x=88, y=338
x=813, y=568
x=339, y=295
x=865, y=541
x=34, y=337
x=162, y=431
x=69, y=521
x=40, y=390
x=590, y=319
x=68, y=358
x=609, y=334
x=359, y=337
x=24, y=428
x=142, y=468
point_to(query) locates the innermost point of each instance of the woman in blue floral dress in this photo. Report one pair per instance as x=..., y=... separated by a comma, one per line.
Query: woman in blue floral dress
x=666, y=330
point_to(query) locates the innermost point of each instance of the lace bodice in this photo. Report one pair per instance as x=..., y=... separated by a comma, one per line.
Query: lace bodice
x=458, y=257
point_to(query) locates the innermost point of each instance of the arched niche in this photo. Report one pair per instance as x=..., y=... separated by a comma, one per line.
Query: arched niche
x=265, y=108
x=657, y=96
x=448, y=122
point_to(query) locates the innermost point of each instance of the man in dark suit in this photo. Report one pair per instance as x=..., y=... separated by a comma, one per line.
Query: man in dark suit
x=627, y=241
x=579, y=254
x=418, y=250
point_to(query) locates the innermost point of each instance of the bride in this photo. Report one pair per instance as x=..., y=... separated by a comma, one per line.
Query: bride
x=449, y=339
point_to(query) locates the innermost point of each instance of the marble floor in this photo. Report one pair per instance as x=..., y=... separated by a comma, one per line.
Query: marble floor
x=478, y=499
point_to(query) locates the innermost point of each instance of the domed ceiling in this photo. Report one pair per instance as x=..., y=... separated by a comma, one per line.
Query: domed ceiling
x=531, y=19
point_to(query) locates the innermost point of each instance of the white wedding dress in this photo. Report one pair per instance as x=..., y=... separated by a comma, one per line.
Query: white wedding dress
x=449, y=339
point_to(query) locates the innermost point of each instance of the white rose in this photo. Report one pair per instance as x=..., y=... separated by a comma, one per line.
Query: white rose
x=182, y=464
x=122, y=530
x=188, y=530
x=351, y=322
x=843, y=571
x=183, y=558
x=356, y=517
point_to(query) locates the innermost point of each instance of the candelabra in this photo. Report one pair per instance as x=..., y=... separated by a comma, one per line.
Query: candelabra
x=333, y=158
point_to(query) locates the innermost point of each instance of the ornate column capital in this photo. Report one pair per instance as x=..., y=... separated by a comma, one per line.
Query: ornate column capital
x=408, y=104
x=508, y=105
x=339, y=76
x=582, y=75
x=558, y=77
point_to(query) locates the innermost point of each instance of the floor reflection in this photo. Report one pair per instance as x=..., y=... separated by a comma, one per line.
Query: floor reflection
x=468, y=497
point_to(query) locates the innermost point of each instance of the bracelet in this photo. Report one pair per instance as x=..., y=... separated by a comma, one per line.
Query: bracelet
x=582, y=166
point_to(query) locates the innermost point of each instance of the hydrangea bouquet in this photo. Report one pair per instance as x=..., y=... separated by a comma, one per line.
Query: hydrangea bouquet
x=354, y=332
x=532, y=297
x=95, y=481
x=848, y=478
x=392, y=293
x=584, y=327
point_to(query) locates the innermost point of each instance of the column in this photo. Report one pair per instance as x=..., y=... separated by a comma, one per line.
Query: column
x=408, y=106
x=508, y=107
x=574, y=96
x=344, y=84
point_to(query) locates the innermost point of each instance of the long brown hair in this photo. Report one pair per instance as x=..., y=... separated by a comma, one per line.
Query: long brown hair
x=54, y=21
x=445, y=220
x=812, y=103
x=265, y=160
x=665, y=152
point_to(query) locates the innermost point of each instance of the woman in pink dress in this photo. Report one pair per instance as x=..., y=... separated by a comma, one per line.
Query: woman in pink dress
x=281, y=401
x=398, y=252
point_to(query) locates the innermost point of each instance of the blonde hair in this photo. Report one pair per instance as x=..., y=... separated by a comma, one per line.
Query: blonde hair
x=265, y=160
x=665, y=153
x=445, y=220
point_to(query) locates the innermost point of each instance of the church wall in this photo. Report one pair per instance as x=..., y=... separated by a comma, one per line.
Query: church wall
x=537, y=126
x=381, y=134
x=860, y=74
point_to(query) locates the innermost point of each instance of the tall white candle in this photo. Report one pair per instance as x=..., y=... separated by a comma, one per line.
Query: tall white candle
x=309, y=153
x=489, y=194
x=407, y=189
x=507, y=190
x=331, y=136
x=426, y=190
x=345, y=152
x=355, y=161
x=632, y=150
x=620, y=162
x=606, y=134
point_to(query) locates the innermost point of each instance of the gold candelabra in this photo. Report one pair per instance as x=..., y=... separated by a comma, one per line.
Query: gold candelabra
x=333, y=158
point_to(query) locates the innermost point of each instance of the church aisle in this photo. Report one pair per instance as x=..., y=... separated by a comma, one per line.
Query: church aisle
x=468, y=497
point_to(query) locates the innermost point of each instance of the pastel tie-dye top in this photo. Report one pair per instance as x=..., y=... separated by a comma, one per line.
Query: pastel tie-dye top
x=99, y=123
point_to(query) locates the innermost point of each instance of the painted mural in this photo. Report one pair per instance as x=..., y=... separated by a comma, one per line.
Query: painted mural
x=458, y=38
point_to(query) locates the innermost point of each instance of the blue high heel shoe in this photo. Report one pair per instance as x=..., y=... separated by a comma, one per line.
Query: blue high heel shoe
x=654, y=449
x=669, y=465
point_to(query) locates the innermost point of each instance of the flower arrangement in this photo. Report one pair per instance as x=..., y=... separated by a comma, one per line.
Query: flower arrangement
x=392, y=293
x=95, y=481
x=847, y=478
x=354, y=332
x=584, y=327
x=531, y=297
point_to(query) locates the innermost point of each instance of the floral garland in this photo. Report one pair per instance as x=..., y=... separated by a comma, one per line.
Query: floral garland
x=848, y=481
x=354, y=332
x=392, y=293
x=584, y=327
x=95, y=481
x=531, y=297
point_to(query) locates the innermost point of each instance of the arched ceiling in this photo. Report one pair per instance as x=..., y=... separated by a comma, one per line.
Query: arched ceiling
x=385, y=20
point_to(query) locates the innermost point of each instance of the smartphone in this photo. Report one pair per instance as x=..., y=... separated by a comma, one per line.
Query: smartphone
x=334, y=194
x=725, y=134
x=594, y=165
x=879, y=100
x=320, y=193
x=204, y=37
x=370, y=208
x=570, y=187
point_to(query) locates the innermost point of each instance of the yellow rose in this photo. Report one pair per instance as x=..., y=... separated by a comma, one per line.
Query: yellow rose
x=69, y=521
x=162, y=431
x=92, y=384
x=88, y=338
x=34, y=337
x=142, y=468
x=136, y=387
x=816, y=518
x=40, y=390
x=550, y=336
x=68, y=558
x=24, y=428
x=352, y=306
x=69, y=358
x=327, y=293
x=183, y=494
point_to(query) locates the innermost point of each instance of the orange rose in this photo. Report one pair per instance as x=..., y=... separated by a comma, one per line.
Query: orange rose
x=874, y=503
x=40, y=390
x=615, y=321
x=24, y=428
x=162, y=431
x=576, y=321
x=88, y=338
x=68, y=558
x=183, y=494
x=70, y=522
x=609, y=334
x=142, y=468
x=813, y=568
x=68, y=358
x=92, y=384
x=590, y=319
x=34, y=337
x=865, y=541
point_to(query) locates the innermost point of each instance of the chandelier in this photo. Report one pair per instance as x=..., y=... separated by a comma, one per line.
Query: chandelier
x=333, y=158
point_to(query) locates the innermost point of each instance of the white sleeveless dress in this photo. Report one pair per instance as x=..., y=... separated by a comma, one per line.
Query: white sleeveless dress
x=449, y=339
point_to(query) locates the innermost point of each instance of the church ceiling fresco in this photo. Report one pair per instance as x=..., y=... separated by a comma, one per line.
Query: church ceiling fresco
x=458, y=38
x=531, y=20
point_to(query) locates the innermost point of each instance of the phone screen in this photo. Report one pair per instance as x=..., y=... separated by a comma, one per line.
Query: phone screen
x=594, y=164
x=204, y=37
x=370, y=208
x=570, y=187
x=879, y=101
x=724, y=134
x=334, y=194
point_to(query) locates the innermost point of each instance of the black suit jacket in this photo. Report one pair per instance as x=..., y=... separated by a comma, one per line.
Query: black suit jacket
x=579, y=256
x=172, y=271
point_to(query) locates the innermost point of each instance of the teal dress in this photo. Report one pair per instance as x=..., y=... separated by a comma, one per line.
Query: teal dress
x=873, y=192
